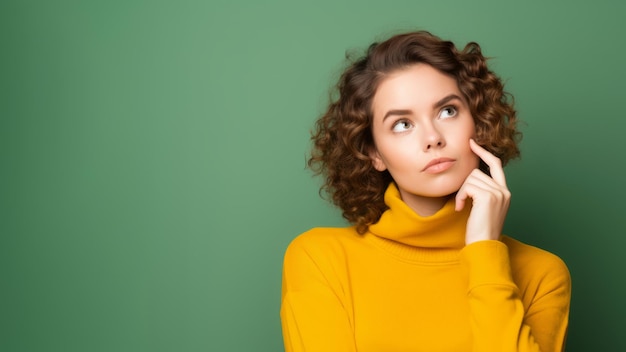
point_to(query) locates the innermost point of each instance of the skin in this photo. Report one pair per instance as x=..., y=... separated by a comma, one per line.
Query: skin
x=423, y=130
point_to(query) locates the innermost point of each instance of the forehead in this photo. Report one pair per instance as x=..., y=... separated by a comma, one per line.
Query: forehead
x=417, y=86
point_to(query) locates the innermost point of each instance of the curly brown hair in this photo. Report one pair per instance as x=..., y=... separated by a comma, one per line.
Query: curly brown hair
x=342, y=139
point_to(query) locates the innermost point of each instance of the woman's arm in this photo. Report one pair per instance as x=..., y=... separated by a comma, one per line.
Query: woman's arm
x=313, y=312
x=499, y=321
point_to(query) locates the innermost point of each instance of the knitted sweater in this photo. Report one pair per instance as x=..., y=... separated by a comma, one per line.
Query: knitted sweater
x=411, y=284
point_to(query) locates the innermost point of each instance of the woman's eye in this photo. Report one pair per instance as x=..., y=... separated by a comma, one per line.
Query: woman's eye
x=401, y=126
x=448, y=111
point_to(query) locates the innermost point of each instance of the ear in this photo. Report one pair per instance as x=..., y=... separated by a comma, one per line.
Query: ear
x=377, y=160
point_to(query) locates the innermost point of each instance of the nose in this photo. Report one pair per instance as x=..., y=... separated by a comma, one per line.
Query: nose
x=433, y=138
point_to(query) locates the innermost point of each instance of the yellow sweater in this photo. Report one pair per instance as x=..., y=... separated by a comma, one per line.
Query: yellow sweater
x=411, y=284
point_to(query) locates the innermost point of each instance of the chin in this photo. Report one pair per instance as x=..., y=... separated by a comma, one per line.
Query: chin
x=451, y=188
x=442, y=193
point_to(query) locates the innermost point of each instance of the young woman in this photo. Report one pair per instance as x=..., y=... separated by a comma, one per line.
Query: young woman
x=412, y=151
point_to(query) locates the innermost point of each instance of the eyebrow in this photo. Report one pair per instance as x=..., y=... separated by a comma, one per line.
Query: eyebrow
x=446, y=100
x=438, y=104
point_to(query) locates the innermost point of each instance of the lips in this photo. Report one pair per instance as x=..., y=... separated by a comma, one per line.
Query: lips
x=438, y=165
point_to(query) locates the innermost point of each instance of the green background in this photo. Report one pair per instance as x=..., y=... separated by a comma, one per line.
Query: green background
x=153, y=159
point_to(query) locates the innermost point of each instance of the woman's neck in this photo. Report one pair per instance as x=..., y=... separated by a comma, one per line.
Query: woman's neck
x=402, y=224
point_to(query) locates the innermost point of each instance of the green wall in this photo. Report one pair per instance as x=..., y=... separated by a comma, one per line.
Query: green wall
x=152, y=159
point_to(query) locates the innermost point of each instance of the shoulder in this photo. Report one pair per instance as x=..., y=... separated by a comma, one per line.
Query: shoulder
x=525, y=254
x=322, y=242
x=319, y=257
x=533, y=264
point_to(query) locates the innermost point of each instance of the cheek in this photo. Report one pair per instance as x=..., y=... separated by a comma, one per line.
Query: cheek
x=472, y=161
x=475, y=161
x=394, y=152
x=470, y=132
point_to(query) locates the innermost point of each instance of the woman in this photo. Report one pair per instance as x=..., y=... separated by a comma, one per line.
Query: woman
x=412, y=151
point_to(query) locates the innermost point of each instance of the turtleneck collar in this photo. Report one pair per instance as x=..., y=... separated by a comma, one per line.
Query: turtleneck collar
x=443, y=230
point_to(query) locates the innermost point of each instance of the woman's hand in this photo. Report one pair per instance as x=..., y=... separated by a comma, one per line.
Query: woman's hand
x=490, y=198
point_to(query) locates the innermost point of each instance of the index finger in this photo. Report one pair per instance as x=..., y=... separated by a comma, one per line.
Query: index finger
x=494, y=163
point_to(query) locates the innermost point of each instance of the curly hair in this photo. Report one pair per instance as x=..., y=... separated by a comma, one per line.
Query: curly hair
x=342, y=139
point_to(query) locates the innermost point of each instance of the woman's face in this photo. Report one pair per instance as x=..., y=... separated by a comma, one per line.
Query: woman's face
x=421, y=128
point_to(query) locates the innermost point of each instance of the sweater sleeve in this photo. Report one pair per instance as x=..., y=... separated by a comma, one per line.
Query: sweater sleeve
x=313, y=312
x=499, y=320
